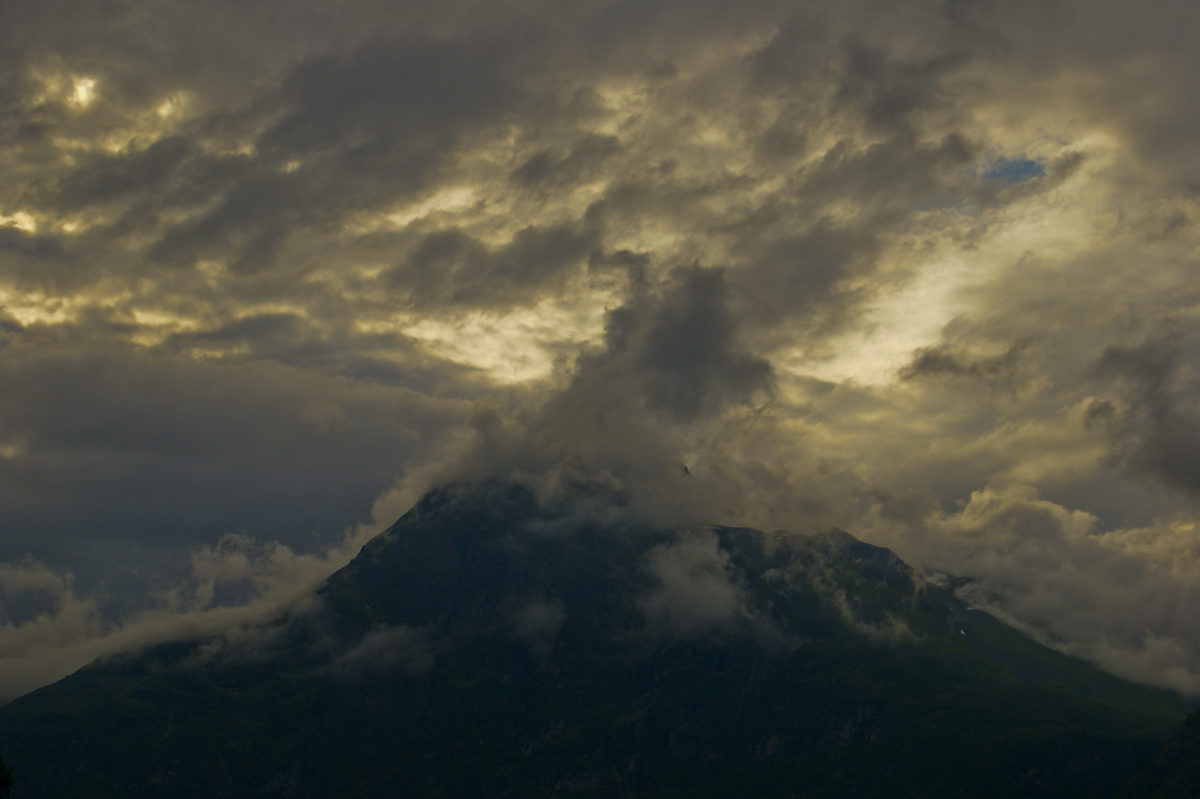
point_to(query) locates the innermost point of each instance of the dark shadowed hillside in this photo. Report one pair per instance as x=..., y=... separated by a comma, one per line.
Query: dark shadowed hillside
x=489, y=646
x=1176, y=773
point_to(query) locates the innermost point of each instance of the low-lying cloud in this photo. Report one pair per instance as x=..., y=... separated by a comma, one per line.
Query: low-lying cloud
x=229, y=593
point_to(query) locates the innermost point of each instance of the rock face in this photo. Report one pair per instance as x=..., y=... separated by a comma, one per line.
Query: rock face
x=487, y=646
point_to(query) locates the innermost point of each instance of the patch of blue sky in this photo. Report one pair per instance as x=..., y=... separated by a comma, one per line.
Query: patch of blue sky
x=1014, y=170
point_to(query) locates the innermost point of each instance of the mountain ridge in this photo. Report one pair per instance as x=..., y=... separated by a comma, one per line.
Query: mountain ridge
x=489, y=644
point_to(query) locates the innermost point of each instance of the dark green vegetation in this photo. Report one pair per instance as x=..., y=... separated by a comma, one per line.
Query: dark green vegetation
x=488, y=646
x=1176, y=774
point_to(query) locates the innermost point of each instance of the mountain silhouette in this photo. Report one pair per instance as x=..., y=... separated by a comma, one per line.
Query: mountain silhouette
x=492, y=645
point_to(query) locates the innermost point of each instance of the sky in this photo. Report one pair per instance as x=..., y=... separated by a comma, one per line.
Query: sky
x=925, y=271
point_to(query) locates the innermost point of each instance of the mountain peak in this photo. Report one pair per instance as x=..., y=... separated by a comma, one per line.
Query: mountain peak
x=489, y=644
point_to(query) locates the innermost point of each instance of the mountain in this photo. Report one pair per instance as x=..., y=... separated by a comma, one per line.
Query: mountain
x=487, y=645
x=1176, y=773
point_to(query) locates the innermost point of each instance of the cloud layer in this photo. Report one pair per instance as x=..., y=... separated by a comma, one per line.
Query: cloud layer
x=921, y=270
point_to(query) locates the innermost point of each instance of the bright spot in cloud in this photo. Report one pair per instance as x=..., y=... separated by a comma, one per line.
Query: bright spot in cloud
x=515, y=347
x=21, y=221
x=35, y=307
x=85, y=91
x=446, y=200
x=172, y=106
x=1059, y=226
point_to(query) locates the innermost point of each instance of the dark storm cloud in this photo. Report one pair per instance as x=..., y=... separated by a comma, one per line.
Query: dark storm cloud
x=889, y=91
x=235, y=237
x=893, y=176
x=690, y=354
x=111, y=177
x=33, y=247
x=1156, y=429
x=356, y=130
x=854, y=59
x=401, y=93
x=673, y=366
x=165, y=451
x=944, y=361
x=335, y=346
x=802, y=279
x=450, y=268
x=547, y=169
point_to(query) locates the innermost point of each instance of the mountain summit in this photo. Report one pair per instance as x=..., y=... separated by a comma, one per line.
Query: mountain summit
x=487, y=645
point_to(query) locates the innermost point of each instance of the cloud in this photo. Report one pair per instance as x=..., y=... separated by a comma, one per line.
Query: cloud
x=170, y=443
x=449, y=268
x=383, y=649
x=282, y=262
x=1157, y=428
x=690, y=355
x=1120, y=597
x=537, y=622
x=940, y=361
x=631, y=415
x=696, y=595
x=228, y=593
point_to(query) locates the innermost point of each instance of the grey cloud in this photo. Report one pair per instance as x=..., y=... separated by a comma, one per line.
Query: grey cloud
x=909, y=507
x=537, y=622
x=449, y=268
x=78, y=628
x=889, y=83
x=112, y=176
x=1157, y=429
x=1120, y=597
x=889, y=177
x=550, y=170
x=249, y=224
x=219, y=344
x=691, y=355
x=697, y=594
x=405, y=92
x=798, y=48
x=334, y=346
x=166, y=451
x=803, y=280
x=807, y=275
x=672, y=375
x=383, y=649
x=361, y=130
x=39, y=249
x=943, y=361
x=784, y=141
x=891, y=92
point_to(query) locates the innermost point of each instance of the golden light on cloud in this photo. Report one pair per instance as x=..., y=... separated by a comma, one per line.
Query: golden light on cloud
x=804, y=201
x=453, y=198
x=516, y=347
x=961, y=253
x=172, y=106
x=21, y=221
x=84, y=91
x=39, y=309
